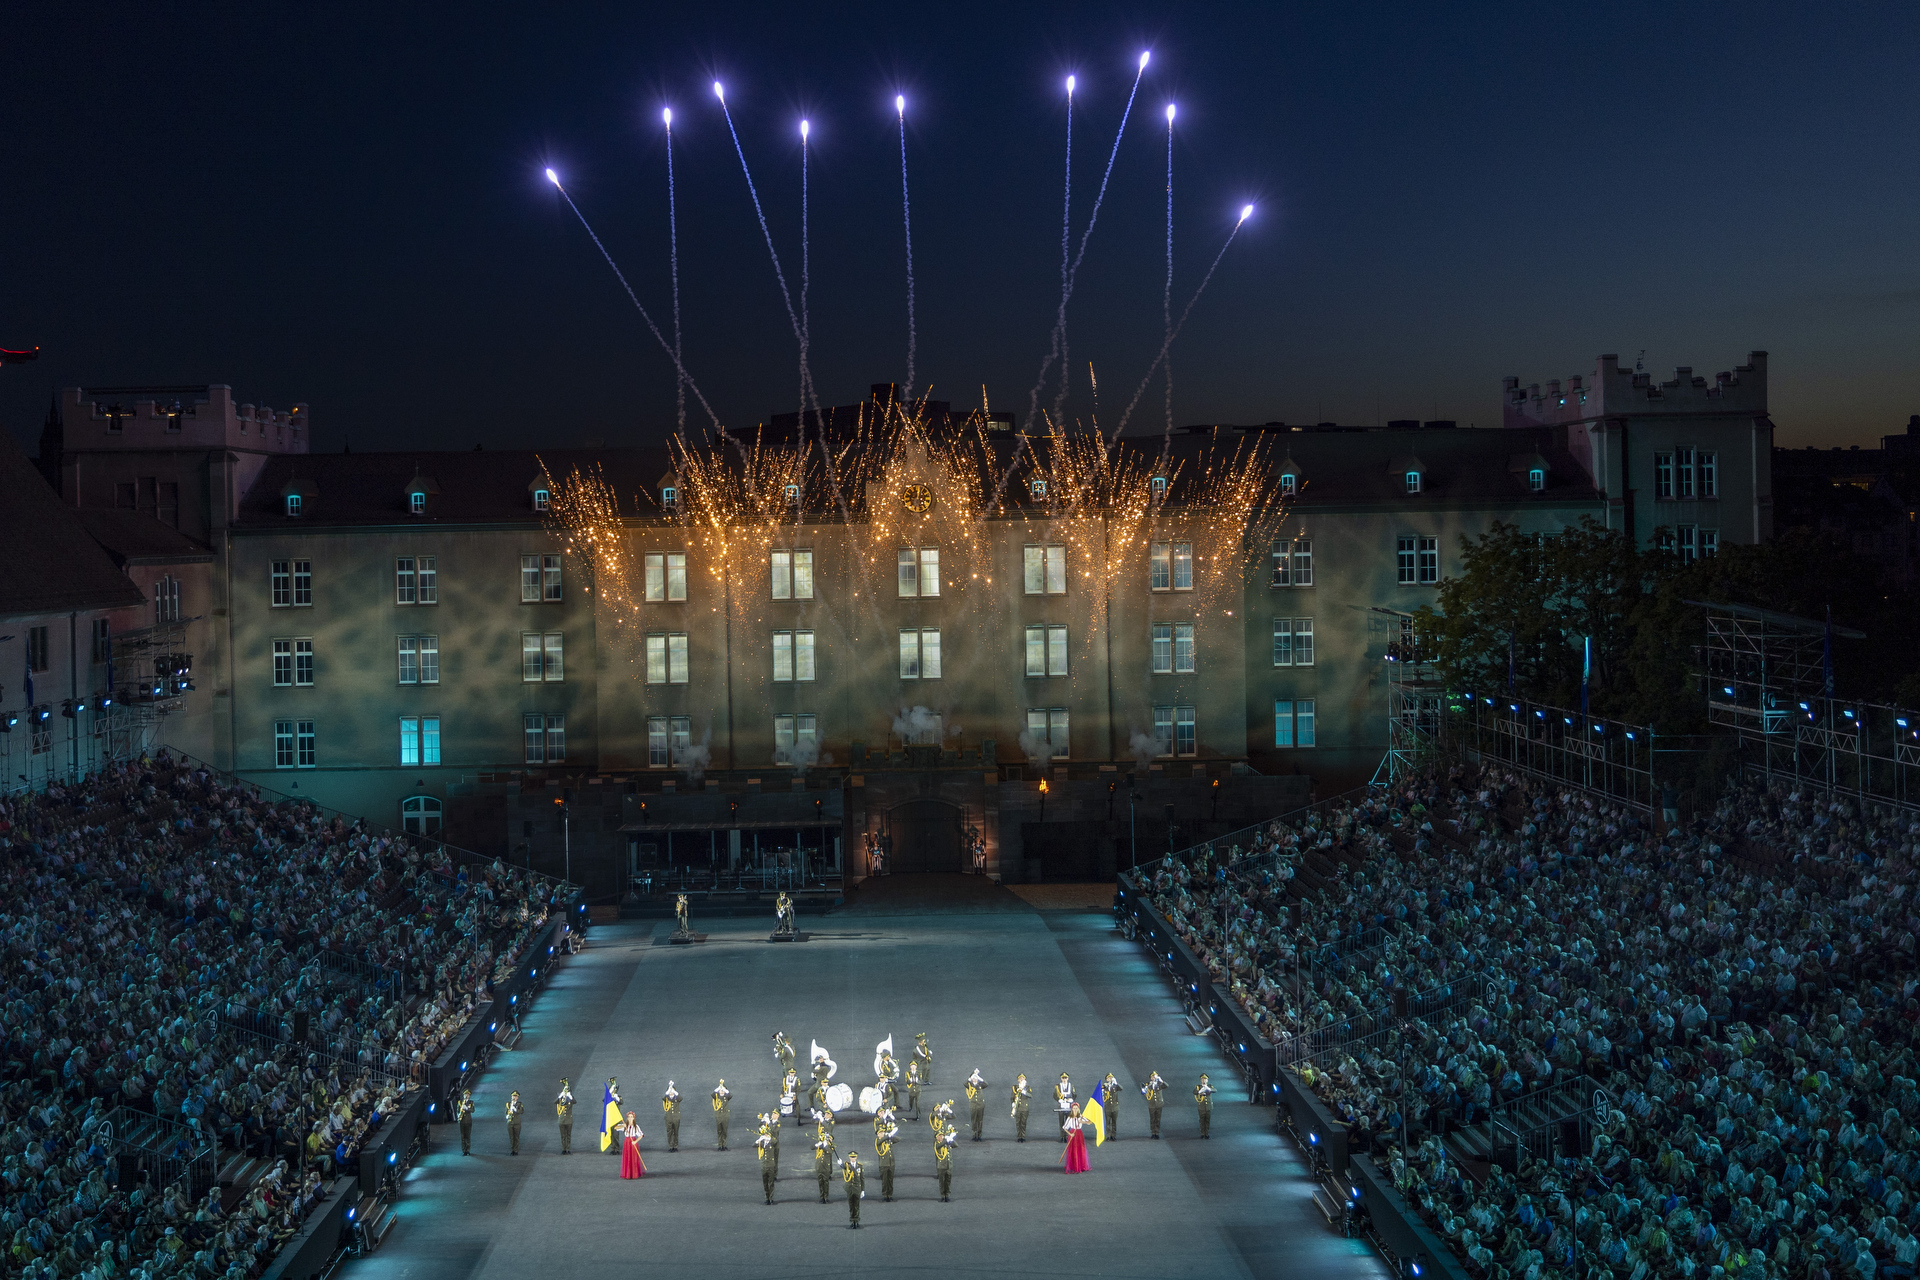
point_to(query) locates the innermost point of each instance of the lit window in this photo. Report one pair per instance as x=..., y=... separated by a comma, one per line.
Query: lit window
x=1183, y=566
x=667, y=657
x=669, y=495
x=667, y=576
x=1182, y=648
x=293, y=504
x=541, y=498
x=1046, y=651
x=1536, y=479
x=1038, y=487
x=1293, y=724
x=1044, y=570
x=1289, y=483
x=1159, y=486
x=792, y=656
x=792, y=575
x=919, y=572
x=1413, y=482
x=793, y=493
x=416, y=502
x=920, y=653
x=420, y=740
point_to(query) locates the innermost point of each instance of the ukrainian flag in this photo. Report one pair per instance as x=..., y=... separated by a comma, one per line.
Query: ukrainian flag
x=1096, y=1115
x=610, y=1119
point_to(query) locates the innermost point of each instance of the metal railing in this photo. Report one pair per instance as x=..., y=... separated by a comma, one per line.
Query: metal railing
x=167, y=1150
x=1532, y=1122
x=1347, y=1034
x=1609, y=757
x=1246, y=834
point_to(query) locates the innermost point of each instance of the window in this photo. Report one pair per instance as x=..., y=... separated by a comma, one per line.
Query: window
x=920, y=654
x=1049, y=725
x=1418, y=561
x=919, y=571
x=102, y=642
x=1706, y=465
x=420, y=660
x=667, y=657
x=420, y=816
x=1037, y=487
x=793, y=731
x=1293, y=563
x=1663, y=475
x=1289, y=484
x=792, y=656
x=1170, y=566
x=1536, y=479
x=293, y=744
x=1162, y=657
x=282, y=584
x=1184, y=737
x=302, y=662
x=420, y=740
x=1709, y=543
x=792, y=575
x=293, y=663
x=669, y=496
x=302, y=583
x=1044, y=570
x=546, y=738
x=283, y=664
x=1046, y=651
x=1293, y=642
x=792, y=493
x=1413, y=482
x=1683, y=472
x=1183, y=647
x=667, y=576
x=38, y=652
x=293, y=504
x=1685, y=542
x=1293, y=723
x=542, y=656
x=1429, y=561
x=1159, y=487
x=539, y=579
x=404, y=590
x=1404, y=558
x=668, y=738
x=417, y=502
x=541, y=498
x=166, y=600
x=429, y=580
x=1163, y=731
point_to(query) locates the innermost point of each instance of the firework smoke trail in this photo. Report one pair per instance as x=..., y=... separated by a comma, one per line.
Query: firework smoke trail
x=806, y=375
x=806, y=324
x=1066, y=292
x=673, y=262
x=619, y=275
x=1054, y=351
x=1173, y=333
x=906, y=215
x=1166, y=297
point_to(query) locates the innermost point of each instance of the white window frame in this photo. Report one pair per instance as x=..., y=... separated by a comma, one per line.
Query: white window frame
x=544, y=738
x=419, y=741
x=305, y=745
x=659, y=756
x=303, y=584
x=1406, y=560
x=429, y=574
x=529, y=579
x=417, y=503
x=542, y=499
x=1429, y=561
x=1683, y=473
x=1186, y=733
x=166, y=599
x=919, y=572
x=1183, y=566
x=302, y=662
x=666, y=657
x=550, y=580
x=1663, y=474
x=419, y=659
x=1160, y=566
x=1046, y=650
x=1043, y=569
x=920, y=656
x=793, y=657
x=1413, y=482
x=553, y=647
x=404, y=580
x=790, y=571
x=1053, y=726
x=283, y=663
x=293, y=504
x=1289, y=484
x=1294, y=723
x=666, y=577
x=283, y=744
x=1707, y=464
x=1183, y=648
x=1709, y=543
x=1536, y=479
x=1160, y=649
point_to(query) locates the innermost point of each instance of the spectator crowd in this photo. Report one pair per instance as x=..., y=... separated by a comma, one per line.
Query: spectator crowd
x=1741, y=985
x=272, y=978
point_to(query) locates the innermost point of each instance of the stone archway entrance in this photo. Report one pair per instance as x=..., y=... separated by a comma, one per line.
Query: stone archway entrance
x=926, y=836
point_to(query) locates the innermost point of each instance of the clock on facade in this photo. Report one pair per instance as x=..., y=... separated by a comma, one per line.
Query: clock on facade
x=917, y=498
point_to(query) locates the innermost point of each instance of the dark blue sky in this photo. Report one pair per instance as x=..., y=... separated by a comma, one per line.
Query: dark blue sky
x=346, y=207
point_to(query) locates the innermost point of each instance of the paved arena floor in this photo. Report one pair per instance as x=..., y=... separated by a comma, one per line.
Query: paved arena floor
x=995, y=983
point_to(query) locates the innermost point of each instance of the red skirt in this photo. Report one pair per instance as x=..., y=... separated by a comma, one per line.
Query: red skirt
x=1076, y=1157
x=630, y=1164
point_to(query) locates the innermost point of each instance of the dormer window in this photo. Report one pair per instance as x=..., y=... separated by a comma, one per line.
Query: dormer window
x=793, y=493
x=293, y=504
x=1536, y=479
x=1289, y=483
x=669, y=495
x=417, y=503
x=1413, y=482
x=1159, y=485
x=540, y=499
x=1038, y=488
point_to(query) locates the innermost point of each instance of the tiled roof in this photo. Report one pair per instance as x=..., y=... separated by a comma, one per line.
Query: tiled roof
x=134, y=537
x=50, y=564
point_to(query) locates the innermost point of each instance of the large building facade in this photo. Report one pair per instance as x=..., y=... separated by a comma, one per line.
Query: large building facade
x=418, y=638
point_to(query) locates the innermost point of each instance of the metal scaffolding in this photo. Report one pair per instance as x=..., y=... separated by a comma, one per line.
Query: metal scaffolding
x=1770, y=681
x=1414, y=696
x=1610, y=757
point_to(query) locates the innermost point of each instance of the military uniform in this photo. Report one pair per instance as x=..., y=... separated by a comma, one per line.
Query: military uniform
x=783, y=1050
x=977, y=1102
x=942, y=1117
x=854, y=1178
x=1155, y=1092
x=769, y=1163
x=1109, y=1095
x=770, y=1127
x=883, y=1153
x=670, y=1104
x=923, y=1054
x=823, y=1161
x=1022, y=1102
x=563, y=1108
x=913, y=1087
x=943, y=1161
x=513, y=1123
x=721, y=1111
x=1063, y=1102
x=1203, y=1100
x=463, y=1111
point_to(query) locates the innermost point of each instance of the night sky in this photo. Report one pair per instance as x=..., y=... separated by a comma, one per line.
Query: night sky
x=347, y=208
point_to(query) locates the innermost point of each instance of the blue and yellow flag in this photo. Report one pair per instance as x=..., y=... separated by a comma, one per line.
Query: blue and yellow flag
x=1096, y=1116
x=610, y=1119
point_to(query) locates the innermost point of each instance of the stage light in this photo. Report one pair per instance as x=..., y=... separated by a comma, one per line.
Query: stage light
x=491, y=1028
x=393, y=1157
x=553, y=177
x=1313, y=1139
x=351, y=1211
x=432, y=1107
x=463, y=1066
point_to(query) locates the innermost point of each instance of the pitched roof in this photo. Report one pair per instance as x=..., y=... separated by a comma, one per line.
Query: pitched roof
x=51, y=565
x=135, y=537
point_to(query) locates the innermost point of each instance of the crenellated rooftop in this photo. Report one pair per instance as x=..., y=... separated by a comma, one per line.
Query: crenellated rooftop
x=1616, y=391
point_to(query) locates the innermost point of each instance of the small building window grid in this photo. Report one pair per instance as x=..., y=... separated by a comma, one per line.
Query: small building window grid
x=1046, y=651
x=919, y=572
x=419, y=659
x=1170, y=566
x=1706, y=465
x=1413, y=482
x=1429, y=561
x=668, y=738
x=1183, y=648
x=792, y=574
x=1044, y=570
x=293, y=504
x=419, y=740
x=539, y=579
x=798, y=730
x=1293, y=642
x=667, y=657
x=1174, y=731
x=1172, y=648
x=1536, y=479
x=1293, y=723
x=292, y=662
x=1289, y=484
x=282, y=579
x=1293, y=563
x=429, y=579
x=166, y=600
x=792, y=656
x=1417, y=560
x=920, y=653
x=545, y=737
x=417, y=502
x=666, y=577
x=302, y=661
x=541, y=499
x=542, y=657
x=283, y=664
x=403, y=580
x=1683, y=473
x=302, y=583
x=1051, y=726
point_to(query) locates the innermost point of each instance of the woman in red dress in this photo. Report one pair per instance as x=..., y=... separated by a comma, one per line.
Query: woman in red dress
x=630, y=1163
x=1075, y=1161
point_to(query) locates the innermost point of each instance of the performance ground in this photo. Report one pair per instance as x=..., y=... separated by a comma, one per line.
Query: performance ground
x=995, y=982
